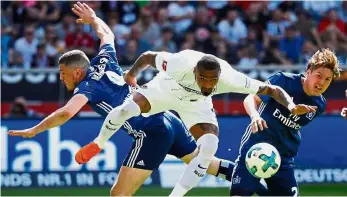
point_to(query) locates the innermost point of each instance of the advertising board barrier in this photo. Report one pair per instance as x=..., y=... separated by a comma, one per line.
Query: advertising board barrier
x=47, y=160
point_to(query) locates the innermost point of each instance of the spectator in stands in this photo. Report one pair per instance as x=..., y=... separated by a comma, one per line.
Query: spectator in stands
x=188, y=42
x=121, y=31
x=317, y=9
x=163, y=17
x=248, y=57
x=290, y=17
x=216, y=5
x=307, y=28
x=150, y=29
x=265, y=14
x=221, y=51
x=181, y=15
x=291, y=44
x=308, y=49
x=16, y=12
x=165, y=43
x=54, y=46
x=201, y=28
x=6, y=44
x=41, y=58
x=131, y=53
x=251, y=40
x=232, y=29
x=276, y=27
x=33, y=12
x=332, y=27
x=136, y=34
x=274, y=56
x=81, y=40
x=222, y=13
x=129, y=12
x=19, y=109
x=253, y=19
x=219, y=46
x=65, y=27
x=27, y=45
x=342, y=11
x=286, y=6
x=15, y=60
x=51, y=12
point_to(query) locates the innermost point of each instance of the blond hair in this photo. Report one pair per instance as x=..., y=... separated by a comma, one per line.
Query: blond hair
x=325, y=58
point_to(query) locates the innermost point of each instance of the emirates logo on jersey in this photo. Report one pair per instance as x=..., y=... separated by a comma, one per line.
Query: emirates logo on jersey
x=164, y=65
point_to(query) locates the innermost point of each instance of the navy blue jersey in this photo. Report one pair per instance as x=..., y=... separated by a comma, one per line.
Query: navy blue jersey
x=284, y=128
x=104, y=82
x=105, y=87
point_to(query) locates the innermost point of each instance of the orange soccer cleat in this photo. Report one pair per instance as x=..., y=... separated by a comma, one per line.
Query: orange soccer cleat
x=87, y=152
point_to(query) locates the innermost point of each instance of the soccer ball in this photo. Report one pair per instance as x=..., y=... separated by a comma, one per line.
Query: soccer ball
x=263, y=160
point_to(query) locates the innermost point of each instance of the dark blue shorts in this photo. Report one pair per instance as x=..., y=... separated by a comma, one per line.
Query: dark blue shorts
x=283, y=183
x=163, y=134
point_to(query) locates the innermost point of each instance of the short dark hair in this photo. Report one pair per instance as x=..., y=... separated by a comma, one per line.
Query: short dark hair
x=208, y=62
x=75, y=58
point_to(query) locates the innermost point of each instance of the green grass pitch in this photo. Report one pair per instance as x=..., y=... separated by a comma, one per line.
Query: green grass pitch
x=305, y=190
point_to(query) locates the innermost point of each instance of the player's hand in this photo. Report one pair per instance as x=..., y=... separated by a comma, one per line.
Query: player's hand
x=258, y=123
x=130, y=80
x=303, y=109
x=344, y=112
x=26, y=133
x=86, y=14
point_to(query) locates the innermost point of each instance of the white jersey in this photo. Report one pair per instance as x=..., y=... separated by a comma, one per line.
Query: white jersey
x=176, y=73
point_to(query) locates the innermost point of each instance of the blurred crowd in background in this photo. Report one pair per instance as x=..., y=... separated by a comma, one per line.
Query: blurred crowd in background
x=246, y=34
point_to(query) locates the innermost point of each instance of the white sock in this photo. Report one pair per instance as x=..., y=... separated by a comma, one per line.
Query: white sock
x=115, y=119
x=197, y=168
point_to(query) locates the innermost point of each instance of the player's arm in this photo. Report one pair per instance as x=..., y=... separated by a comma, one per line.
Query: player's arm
x=57, y=118
x=251, y=104
x=88, y=16
x=147, y=58
x=234, y=81
x=282, y=97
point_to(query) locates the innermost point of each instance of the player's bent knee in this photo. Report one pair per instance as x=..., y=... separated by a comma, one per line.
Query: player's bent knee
x=127, y=110
x=208, y=145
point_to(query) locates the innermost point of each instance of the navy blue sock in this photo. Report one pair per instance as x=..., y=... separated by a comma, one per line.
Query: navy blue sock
x=225, y=169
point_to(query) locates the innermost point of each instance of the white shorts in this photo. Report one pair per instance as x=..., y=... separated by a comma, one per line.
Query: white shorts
x=161, y=99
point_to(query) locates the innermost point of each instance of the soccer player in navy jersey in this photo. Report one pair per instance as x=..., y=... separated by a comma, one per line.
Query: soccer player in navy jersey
x=274, y=124
x=100, y=84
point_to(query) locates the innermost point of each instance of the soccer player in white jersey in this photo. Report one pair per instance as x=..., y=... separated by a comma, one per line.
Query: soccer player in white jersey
x=186, y=83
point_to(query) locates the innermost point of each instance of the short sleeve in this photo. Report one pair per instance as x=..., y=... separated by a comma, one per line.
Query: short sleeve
x=107, y=50
x=107, y=54
x=236, y=82
x=87, y=89
x=277, y=79
x=176, y=64
x=161, y=61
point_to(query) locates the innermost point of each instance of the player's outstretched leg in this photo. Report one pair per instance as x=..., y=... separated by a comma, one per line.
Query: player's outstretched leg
x=129, y=180
x=218, y=167
x=196, y=169
x=113, y=122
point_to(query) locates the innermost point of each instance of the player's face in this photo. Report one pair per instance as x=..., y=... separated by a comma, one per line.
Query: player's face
x=68, y=76
x=318, y=81
x=206, y=80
